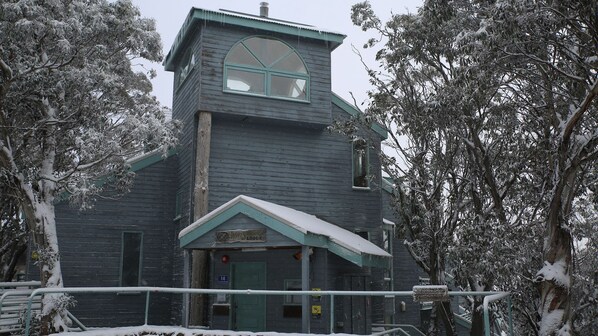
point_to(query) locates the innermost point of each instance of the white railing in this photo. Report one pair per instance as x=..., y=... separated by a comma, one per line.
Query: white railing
x=187, y=291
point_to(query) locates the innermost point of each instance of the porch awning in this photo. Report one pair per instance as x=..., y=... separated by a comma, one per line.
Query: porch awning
x=299, y=226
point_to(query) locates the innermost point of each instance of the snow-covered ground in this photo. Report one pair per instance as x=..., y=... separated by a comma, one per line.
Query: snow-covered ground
x=173, y=331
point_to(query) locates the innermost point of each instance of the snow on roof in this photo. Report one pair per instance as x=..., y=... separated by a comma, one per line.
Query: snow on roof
x=250, y=21
x=301, y=221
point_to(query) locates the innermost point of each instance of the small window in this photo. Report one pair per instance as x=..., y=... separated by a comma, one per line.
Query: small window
x=131, y=259
x=178, y=205
x=187, y=65
x=292, y=285
x=360, y=164
x=266, y=67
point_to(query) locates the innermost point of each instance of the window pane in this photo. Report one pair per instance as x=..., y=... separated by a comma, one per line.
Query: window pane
x=268, y=51
x=245, y=81
x=240, y=55
x=131, y=259
x=360, y=163
x=288, y=87
x=293, y=285
x=291, y=63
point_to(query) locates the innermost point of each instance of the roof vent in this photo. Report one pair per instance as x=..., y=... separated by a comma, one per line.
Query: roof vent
x=263, y=9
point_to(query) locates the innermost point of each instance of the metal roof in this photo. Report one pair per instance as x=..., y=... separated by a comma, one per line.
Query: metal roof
x=250, y=21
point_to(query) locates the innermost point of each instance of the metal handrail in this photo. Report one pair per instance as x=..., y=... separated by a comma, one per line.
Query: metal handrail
x=149, y=290
x=487, y=301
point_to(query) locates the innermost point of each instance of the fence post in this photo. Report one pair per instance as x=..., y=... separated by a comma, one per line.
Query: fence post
x=332, y=313
x=147, y=298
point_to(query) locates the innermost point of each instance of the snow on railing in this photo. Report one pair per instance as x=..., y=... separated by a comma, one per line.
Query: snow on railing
x=489, y=297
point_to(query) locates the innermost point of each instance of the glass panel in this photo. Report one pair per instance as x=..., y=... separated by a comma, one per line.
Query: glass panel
x=240, y=55
x=131, y=259
x=288, y=87
x=245, y=81
x=360, y=163
x=293, y=285
x=291, y=63
x=266, y=50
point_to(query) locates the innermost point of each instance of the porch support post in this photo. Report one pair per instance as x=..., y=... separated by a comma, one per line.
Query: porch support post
x=305, y=316
x=186, y=284
x=199, y=266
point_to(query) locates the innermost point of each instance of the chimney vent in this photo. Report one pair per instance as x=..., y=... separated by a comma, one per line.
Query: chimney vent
x=263, y=9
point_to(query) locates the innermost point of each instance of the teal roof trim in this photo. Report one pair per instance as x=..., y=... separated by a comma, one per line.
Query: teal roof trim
x=247, y=21
x=240, y=206
x=149, y=159
x=354, y=112
x=387, y=185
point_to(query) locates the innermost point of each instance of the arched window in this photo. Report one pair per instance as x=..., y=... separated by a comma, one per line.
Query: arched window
x=268, y=67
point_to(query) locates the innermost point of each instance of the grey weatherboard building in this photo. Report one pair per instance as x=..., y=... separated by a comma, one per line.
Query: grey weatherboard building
x=274, y=169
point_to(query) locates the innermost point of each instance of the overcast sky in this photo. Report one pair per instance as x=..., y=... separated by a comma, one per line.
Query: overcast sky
x=348, y=74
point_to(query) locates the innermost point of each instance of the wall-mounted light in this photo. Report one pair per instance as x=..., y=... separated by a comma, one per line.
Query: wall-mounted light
x=225, y=258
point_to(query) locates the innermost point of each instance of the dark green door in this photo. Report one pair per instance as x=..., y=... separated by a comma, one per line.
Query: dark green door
x=249, y=311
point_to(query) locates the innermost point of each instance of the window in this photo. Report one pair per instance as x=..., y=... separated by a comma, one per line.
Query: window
x=130, y=271
x=292, y=285
x=178, y=205
x=360, y=164
x=187, y=65
x=266, y=67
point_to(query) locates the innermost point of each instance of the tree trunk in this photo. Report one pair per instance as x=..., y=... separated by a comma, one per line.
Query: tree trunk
x=554, y=284
x=15, y=254
x=199, y=266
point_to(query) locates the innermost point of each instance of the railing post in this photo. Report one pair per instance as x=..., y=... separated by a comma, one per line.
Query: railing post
x=147, y=298
x=331, y=313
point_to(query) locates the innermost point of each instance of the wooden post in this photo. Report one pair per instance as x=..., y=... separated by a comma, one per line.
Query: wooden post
x=199, y=265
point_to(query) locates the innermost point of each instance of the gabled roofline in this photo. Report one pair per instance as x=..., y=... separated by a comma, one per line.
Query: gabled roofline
x=258, y=210
x=249, y=21
x=354, y=112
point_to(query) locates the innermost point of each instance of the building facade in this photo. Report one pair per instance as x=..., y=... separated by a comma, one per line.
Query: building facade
x=259, y=183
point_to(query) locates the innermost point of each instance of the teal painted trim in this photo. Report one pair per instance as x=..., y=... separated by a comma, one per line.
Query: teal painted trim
x=268, y=71
x=135, y=166
x=387, y=185
x=367, y=165
x=198, y=14
x=266, y=96
x=308, y=239
x=354, y=112
x=149, y=160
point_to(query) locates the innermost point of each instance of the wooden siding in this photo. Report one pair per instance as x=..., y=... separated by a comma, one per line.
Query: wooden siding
x=302, y=168
x=216, y=42
x=406, y=271
x=91, y=243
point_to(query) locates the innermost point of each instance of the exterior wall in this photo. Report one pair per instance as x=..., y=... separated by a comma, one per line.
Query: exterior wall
x=276, y=261
x=276, y=150
x=406, y=272
x=91, y=243
x=302, y=168
x=216, y=42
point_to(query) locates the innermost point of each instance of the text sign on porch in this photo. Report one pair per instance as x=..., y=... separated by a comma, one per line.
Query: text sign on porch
x=241, y=236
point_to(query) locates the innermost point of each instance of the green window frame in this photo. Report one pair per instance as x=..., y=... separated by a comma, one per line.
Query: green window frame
x=131, y=258
x=266, y=67
x=178, y=205
x=187, y=65
x=360, y=164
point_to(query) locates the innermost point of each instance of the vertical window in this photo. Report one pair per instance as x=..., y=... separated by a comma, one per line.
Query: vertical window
x=187, y=65
x=292, y=285
x=130, y=271
x=178, y=205
x=266, y=67
x=360, y=164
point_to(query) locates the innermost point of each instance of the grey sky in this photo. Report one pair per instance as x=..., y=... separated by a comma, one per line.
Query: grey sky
x=348, y=74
